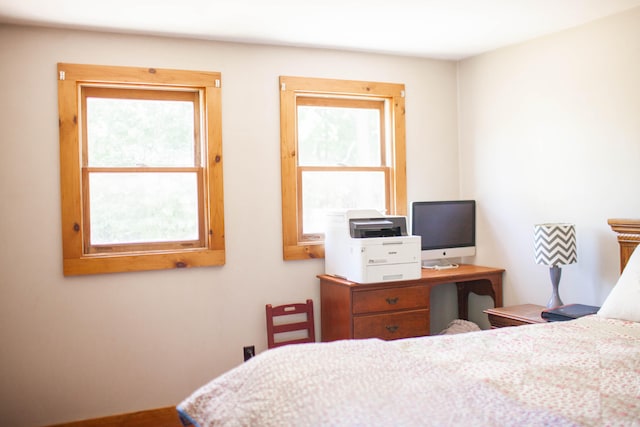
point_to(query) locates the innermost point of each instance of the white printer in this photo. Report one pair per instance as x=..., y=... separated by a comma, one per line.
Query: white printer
x=365, y=246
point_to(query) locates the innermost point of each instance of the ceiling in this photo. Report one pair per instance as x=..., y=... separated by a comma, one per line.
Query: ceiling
x=446, y=29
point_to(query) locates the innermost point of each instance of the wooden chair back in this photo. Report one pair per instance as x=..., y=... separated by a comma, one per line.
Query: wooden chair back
x=277, y=323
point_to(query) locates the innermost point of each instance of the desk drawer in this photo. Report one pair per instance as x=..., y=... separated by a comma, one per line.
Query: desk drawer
x=390, y=299
x=392, y=326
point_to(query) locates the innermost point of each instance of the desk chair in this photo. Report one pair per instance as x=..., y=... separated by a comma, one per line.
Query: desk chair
x=282, y=312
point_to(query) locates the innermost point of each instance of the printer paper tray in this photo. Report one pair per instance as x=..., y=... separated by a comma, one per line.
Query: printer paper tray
x=391, y=272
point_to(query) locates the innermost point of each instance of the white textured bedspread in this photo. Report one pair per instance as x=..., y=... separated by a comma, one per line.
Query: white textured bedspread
x=584, y=372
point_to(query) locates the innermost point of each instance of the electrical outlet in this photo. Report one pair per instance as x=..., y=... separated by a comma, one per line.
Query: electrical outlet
x=248, y=351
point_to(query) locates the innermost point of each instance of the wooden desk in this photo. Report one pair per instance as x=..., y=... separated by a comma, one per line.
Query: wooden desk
x=392, y=310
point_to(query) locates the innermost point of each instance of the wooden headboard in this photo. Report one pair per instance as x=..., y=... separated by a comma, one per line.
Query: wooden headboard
x=628, y=232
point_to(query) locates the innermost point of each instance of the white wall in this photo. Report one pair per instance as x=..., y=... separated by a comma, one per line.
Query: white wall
x=80, y=347
x=550, y=131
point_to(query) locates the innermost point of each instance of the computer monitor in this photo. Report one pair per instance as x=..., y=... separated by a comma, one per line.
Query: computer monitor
x=447, y=229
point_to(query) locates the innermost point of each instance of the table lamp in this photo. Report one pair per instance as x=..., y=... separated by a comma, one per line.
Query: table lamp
x=555, y=245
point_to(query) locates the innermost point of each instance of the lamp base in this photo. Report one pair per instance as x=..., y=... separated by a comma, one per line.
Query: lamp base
x=555, y=272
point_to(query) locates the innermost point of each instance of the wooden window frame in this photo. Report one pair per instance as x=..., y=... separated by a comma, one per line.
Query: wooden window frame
x=330, y=92
x=79, y=257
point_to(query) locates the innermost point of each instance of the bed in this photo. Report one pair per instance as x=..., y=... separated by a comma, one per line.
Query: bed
x=584, y=372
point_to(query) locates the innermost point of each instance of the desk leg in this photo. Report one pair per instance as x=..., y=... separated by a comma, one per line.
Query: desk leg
x=479, y=287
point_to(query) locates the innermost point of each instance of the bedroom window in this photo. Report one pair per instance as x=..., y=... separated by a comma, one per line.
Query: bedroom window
x=342, y=147
x=141, y=169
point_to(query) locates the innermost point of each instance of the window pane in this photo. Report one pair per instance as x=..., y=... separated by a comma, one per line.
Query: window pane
x=143, y=207
x=133, y=132
x=323, y=192
x=331, y=136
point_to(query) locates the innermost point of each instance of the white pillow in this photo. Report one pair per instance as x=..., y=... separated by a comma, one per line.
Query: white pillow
x=623, y=301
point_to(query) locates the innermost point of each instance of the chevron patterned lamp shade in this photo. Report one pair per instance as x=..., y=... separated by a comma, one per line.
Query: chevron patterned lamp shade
x=555, y=245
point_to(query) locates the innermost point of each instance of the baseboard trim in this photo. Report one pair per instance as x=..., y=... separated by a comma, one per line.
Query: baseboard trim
x=160, y=417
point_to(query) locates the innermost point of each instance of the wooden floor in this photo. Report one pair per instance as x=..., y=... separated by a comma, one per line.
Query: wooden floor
x=161, y=417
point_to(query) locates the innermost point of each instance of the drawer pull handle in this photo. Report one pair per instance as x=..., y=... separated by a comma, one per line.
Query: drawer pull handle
x=392, y=328
x=392, y=301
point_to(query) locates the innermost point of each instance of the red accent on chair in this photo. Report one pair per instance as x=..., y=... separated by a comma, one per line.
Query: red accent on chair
x=287, y=310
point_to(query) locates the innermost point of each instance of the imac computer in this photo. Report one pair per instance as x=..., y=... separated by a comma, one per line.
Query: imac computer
x=447, y=230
